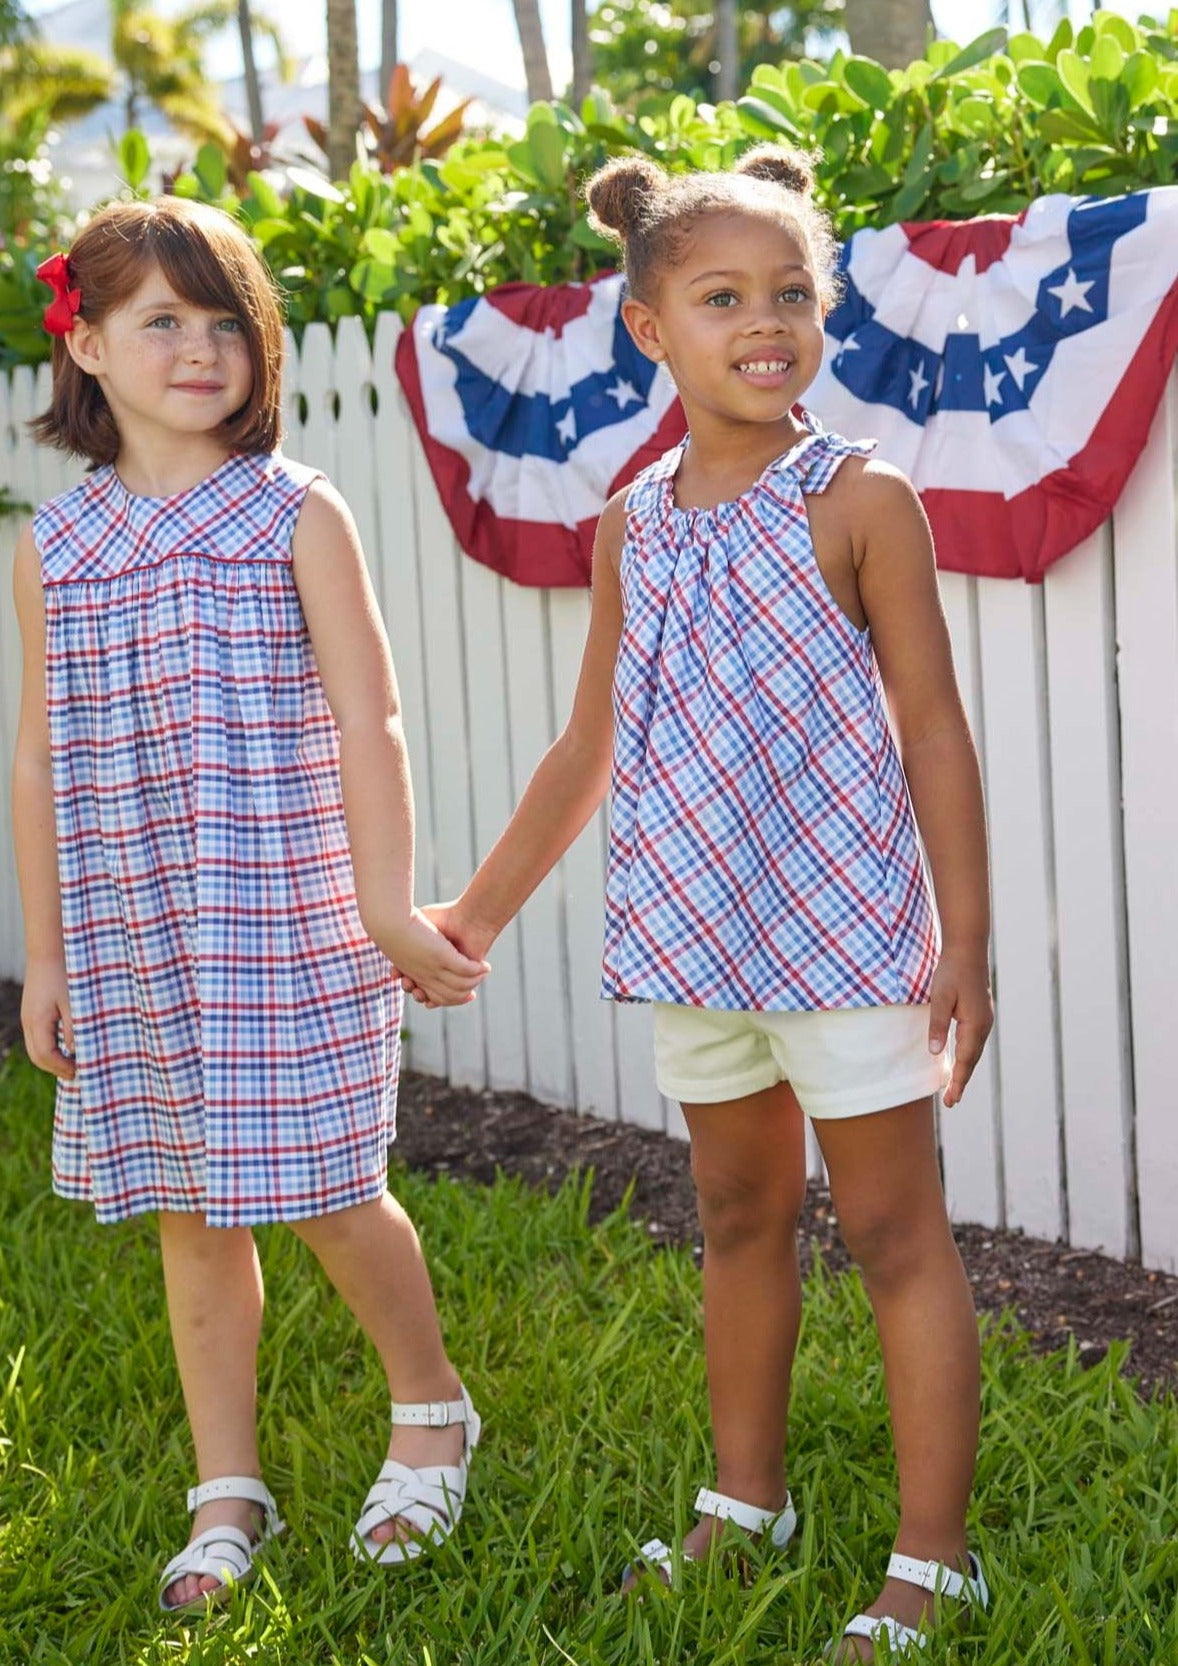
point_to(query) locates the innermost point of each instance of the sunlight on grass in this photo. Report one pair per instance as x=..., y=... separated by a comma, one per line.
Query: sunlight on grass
x=581, y=1348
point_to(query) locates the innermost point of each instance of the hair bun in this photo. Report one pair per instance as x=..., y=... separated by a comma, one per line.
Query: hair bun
x=620, y=194
x=793, y=169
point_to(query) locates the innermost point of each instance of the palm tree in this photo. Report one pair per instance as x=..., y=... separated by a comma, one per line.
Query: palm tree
x=531, y=40
x=343, y=86
x=893, y=32
x=388, y=42
x=253, y=87
x=727, y=50
x=51, y=83
x=582, y=68
x=162, y=61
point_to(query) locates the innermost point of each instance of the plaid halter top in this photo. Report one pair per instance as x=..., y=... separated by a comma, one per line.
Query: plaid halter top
x=763, y=853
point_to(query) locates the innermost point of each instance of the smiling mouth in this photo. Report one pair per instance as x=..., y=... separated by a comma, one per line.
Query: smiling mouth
x=764, y=367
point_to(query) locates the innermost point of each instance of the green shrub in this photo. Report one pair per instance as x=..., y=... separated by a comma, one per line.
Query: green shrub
x=962, y=131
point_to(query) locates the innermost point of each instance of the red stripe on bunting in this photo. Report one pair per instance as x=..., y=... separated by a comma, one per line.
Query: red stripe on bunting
x=1020, y=537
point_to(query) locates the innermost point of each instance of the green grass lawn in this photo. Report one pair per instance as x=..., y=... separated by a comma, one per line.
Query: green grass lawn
x=581, y=1347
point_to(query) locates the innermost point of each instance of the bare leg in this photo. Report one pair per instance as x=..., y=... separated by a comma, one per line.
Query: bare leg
x=886, y=1188
x=214, y=1289
x=749, y=1164
x=372, y=1256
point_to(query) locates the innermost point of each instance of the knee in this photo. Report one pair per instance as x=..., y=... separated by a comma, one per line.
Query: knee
x=739, y=1207
x=888, y=1242
x=340, y=1230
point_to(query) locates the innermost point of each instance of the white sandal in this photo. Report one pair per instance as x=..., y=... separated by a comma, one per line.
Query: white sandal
x=429, y=1499
x=222, y=1553
x=936, y=1577
x=657, y=1557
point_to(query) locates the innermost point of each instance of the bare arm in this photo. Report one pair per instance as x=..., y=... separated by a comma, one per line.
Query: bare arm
x=898, y=587
x=45, y=1013
x=356, y=668
x=571, y=779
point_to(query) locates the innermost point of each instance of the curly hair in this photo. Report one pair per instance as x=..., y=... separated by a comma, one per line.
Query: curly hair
x=652, y=213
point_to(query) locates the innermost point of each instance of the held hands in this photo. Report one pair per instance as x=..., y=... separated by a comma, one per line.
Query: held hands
x=45, y=1018
x=960, y=991
x=432, y=970
x=467, y=940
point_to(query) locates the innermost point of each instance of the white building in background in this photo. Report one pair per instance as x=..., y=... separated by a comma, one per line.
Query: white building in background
x=83, y=151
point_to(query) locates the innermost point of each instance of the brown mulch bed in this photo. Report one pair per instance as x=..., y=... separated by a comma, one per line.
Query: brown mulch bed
x=1053, y=1291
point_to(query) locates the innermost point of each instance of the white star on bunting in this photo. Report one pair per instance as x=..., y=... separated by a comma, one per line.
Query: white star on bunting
x=1072, y=293
x=992, y=381
x=1019, y=365
x=919, y=382
x=567, y=426
x=625, y=393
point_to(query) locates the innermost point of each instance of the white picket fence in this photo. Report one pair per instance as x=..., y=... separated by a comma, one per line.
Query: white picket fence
x=1070, y=1127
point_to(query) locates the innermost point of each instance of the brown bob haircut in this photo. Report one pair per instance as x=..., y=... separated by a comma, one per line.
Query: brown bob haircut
x=208, y=259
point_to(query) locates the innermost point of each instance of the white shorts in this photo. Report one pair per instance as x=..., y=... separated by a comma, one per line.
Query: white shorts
x=842, y=1063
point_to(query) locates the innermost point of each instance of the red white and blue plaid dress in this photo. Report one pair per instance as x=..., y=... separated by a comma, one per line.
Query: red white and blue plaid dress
x=236, y=1032
x=763, y=852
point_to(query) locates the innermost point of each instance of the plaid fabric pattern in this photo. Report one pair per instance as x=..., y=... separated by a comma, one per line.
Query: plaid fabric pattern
x=236, y=1032
x=763, y=853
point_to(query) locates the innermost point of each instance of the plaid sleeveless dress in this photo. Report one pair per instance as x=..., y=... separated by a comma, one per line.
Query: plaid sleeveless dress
x=236, y=1032
x=763, y=853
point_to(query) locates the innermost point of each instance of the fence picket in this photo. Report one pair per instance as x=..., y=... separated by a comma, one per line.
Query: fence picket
x=1020, y=839
x=396, y=446
x=1089, y=886
x=970, y=1134
x=1145, y=540
x=550, y=1070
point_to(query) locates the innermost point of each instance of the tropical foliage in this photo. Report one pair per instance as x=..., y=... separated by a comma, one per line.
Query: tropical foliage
x=982, y=129
x=639, y=49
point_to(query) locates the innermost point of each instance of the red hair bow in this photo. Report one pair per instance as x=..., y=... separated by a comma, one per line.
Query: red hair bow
x=59, y=314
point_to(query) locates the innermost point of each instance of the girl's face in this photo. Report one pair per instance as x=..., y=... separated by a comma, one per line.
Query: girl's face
x=737, y=321
x=164, y=362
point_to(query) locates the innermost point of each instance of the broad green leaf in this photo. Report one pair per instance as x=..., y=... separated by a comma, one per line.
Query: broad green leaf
x=1021, y=47
x=134, y=157
x=1107, y=59
x=547, y=145
x=977, y=190
x=383, y=245
x=909, y=197
x=372, y=279
x=865, y=182
x=265, y=195
x=1140, y=77
x=868, y=81
x=983, y=47
x=785, y=109
x=974, y=115
x=1064, y=36
x=1110, y=102
x=761, y=118
x=1066, y=127
x=211, y=169
x=1112, y=26
x=314, y=184
x=584, y=236
x=541, y=114
x=523, y=161
x=1073, y=72
x=1040, y=82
